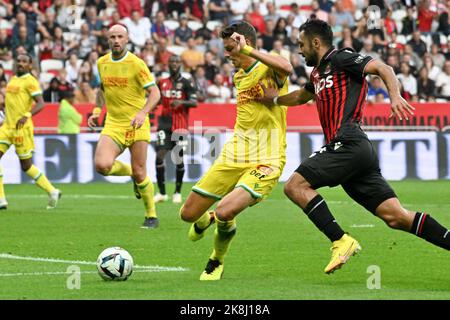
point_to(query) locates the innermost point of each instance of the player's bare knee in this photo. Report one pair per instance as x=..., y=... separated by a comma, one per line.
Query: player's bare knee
x=187, y=213
x=224, y=212
x=103, y=168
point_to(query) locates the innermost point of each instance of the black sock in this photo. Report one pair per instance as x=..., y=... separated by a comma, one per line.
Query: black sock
x=160, y=172
x=318, y=212
x=425, y=227
x=179, y=177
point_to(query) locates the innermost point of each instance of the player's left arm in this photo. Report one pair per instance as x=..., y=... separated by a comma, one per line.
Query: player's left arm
x=278, y=64
x=153, y=97
x=399, y=106
x=38, y=106
x=191, y=94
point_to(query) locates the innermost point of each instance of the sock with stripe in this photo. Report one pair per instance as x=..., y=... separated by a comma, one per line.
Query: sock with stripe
x=2, y=189
x=40, y=179
x=146, y=190
x=224, y=233
x=425, y=227
x=120, y=169
x=318, y=212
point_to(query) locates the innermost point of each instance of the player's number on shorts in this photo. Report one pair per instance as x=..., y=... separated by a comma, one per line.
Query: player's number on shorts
x=161, y=137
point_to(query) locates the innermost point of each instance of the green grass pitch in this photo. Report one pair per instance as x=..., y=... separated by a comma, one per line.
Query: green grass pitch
x=277, y=253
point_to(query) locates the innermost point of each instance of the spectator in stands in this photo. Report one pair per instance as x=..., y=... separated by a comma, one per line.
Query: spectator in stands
x=437, y=56
x=102, y=40
x=201, y=83
x=317, y=12
x=86, y=74
x=227, y=72
x=408, y=22
x=69, y=119
x=138, y=29
x=84, y=93
x=299, y=76
x=48, y=26
x=191, y=57
x=72, y=68
x=257, y=19
x=444, y=21
x=215, y=44
x=408, y=81
x=126, y=7
x=377, y=88
x=196, y=10
x=443, y=83
x=271, y=12
x=425, y=17
x=52, y=93
x=278, y=49
x=28, y=24
x=183, y=32
x=279, y=31
x=24, y=40
x=93, y=22
x=433, y=71
x=393, y=62
x=413, y=68
x=63, y=13
x=58, y=46
x=3, y=77
x=291, y=41
x=390, y=25
x=86, y=42
x=5, y=45
x=99, y=4
x=219, y=10
x=367, y=48
x=162, y=55
x=159, y=30
x=417, y=61
x=204, y=31
x=175, y=9
x=299, y=17
x=217, y=92
x=148, y=53
x=210, y=66
x=45, y=49
x=268, y=37
x=348, y=41
x=417, y=44
x=343, y=17
x=426, y=88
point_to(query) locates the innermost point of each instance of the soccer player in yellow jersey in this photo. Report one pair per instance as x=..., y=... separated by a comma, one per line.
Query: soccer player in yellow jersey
x=21, y=93
x=125, y=81
x=251, y=162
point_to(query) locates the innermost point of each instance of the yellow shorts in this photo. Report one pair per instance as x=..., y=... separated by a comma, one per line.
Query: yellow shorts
x=22, y=139
x=124, y=137
x=222, y=178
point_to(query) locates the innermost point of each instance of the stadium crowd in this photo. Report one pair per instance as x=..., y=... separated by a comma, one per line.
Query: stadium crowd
x=66, y=37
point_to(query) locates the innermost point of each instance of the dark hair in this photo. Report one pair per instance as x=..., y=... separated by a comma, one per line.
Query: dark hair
x=26, y=54
x=241, y=27
x=318, y=28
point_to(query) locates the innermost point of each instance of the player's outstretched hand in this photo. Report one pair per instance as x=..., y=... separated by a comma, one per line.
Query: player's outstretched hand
x=20, y=123
x=269, y=93
x=240, y=42
x=138, y=120
x=401, y=108
x=93, y=121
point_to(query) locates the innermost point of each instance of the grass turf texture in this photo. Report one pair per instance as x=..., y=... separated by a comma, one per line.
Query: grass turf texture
x=276, y=254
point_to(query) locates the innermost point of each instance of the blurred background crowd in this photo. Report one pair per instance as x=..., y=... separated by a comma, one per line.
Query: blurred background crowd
x=66, y=37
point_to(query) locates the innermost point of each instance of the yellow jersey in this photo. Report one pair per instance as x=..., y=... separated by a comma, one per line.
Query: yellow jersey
x=124, y=83
x=260, y=131
x=19, y=98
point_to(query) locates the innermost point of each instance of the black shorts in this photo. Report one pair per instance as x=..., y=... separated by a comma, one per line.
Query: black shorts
x=166, y=140
x=352, y=164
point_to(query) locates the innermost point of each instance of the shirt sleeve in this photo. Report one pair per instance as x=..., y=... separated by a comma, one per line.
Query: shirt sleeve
x=351, y=61
x=34, y=88
x=145, y=77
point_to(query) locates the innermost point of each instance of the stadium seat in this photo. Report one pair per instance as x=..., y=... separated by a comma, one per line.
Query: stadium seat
x=211, y=25
x=171, y=24
x=51, y=65
x=194, y=25
x=178, y=50
x=45, y=78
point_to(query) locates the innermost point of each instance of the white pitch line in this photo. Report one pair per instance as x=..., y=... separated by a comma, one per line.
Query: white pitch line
x=57, y=273
x=50, y=260
x=362, y=226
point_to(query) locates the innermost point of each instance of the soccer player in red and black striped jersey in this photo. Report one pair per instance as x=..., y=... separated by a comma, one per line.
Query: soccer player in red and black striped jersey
x=178, y=94
x=338, y=85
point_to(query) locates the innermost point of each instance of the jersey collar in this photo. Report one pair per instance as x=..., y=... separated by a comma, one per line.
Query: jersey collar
x=327, y=56
x=121, y=59
x=24, y=75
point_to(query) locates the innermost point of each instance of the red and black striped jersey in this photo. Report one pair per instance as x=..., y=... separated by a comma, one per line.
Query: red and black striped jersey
x=340, y=88
x=171, y=90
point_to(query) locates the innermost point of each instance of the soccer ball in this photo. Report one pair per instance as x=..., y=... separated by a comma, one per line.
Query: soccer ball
x=115, y=263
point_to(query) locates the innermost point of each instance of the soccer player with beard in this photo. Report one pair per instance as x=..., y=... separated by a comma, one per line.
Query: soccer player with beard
x=125, y=82
x=21, y=93
x=178, y=95
x=338, y=85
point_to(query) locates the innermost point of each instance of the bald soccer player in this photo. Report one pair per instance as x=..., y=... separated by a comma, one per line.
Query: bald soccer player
x=129, y=91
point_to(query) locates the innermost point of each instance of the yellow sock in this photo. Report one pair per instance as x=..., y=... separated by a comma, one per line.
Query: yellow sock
x=223, y=235
x=120, y=169
x=40, y=179
x=203, y=221
x=2, y=189
x=146, y=191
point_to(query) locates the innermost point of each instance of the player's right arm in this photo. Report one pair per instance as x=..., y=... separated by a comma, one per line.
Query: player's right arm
x=295, y=98
x=99, y=103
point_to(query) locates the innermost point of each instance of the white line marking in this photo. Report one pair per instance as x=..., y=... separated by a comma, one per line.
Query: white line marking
x=362, y=226
x=50, y=260
x=23, y=274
